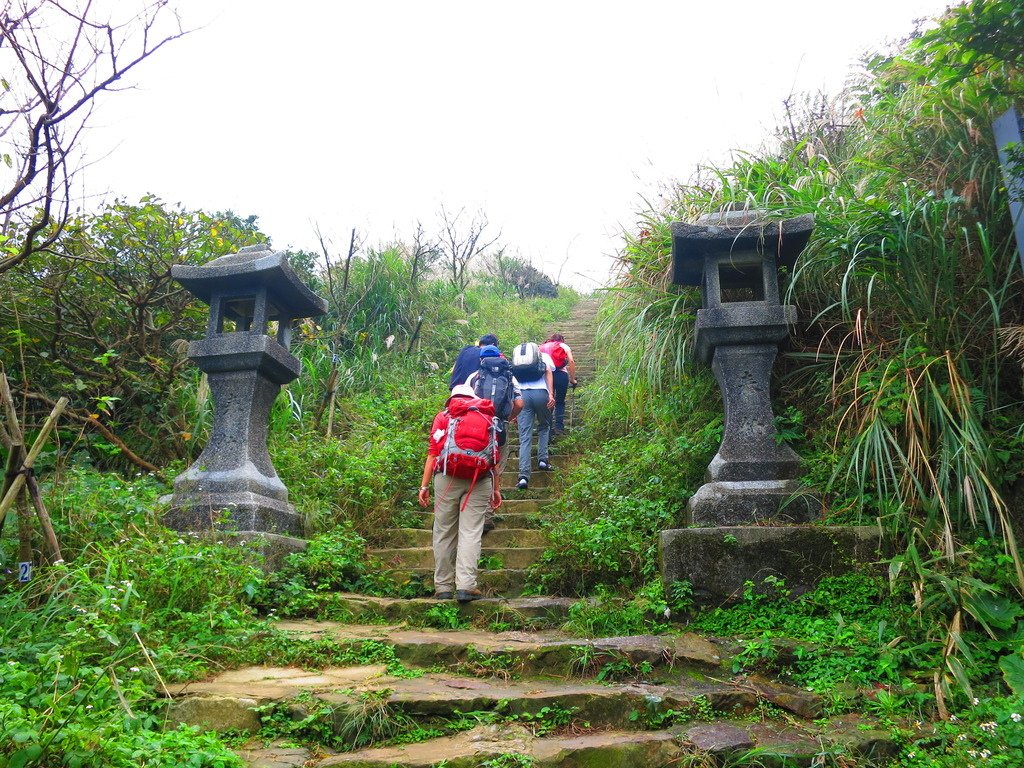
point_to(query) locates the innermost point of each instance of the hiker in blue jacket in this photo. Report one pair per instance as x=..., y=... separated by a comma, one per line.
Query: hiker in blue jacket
x=468, y=361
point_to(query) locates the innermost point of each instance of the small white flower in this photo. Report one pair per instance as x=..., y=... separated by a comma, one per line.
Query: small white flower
x=88, y=706
x=989, y=727
x=985, y=754
x=133, y=669
x=1015, y=717
x=974, y=701
x=962, y=737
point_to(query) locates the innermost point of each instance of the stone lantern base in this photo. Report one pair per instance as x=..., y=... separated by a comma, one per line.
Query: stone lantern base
x=752, y=502
x=719, y=561
x=236, y=512
x=269, y=527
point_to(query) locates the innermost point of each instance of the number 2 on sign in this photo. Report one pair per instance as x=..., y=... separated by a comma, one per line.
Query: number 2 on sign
x=24, y=572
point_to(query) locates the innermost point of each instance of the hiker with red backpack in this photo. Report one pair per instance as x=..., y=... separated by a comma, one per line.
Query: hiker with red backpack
x=533, y=371
x=561, y=356
x=461, y=460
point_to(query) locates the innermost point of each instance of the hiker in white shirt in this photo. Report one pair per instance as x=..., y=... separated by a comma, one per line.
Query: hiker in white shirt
x=533, y=372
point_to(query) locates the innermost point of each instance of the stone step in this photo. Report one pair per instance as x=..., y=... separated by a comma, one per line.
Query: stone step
x=487, y=744
x=537, y=479
x=412, y=558
x=494, y=582
x=767, y=743
x=522, y=653
x=502, y=520
x=502, y=536
x=535, y=612
x=629, y=706
x=523, y=506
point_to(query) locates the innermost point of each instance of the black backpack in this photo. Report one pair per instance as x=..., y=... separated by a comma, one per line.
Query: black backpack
x=494, y=382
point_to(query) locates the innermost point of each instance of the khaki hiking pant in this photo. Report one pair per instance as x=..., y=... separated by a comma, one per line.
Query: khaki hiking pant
x=458, y=531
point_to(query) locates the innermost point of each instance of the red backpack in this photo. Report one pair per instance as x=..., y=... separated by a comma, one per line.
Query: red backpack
x=470, y=448
x=558, y=354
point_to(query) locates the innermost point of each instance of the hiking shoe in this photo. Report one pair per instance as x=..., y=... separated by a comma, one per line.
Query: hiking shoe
x=523, y=484
x=545, y=466
x=488, y=526
x=468, y=595
x=443, y=595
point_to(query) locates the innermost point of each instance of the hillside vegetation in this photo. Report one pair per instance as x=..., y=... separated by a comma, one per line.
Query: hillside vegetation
x=901, y=390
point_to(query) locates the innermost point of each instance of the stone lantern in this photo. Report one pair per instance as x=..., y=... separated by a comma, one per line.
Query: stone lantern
x=749, y=521
x=255, y=299
x=735, y=258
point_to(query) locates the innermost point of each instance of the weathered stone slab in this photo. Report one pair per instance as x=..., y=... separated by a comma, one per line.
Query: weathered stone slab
x=863, y=737
x=608, y=749
x=273, y=683
x=719, y=738
x=688, y=648
x=463, y=750
x=718, y=561
x=806, y=704
x=274, y=756
x=535, y=610
x=220, y=713
x=521, y=652
x=439, y=695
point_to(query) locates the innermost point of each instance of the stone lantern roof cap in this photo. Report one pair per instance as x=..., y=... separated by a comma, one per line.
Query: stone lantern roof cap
x=252, y=268
x=734, y=232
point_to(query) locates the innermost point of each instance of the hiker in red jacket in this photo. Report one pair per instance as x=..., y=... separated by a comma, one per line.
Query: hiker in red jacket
x=461, y=459
x=564, y=375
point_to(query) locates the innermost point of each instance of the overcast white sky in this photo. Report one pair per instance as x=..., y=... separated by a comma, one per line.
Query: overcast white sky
x=553, y=117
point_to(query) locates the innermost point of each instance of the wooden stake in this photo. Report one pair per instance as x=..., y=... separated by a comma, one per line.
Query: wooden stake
x=18, y=467
x=12, y=413
x=19, y=481
x=10, y=473
x=14, y=460
x=325, y=398
x=52, y=546
x=330, y=411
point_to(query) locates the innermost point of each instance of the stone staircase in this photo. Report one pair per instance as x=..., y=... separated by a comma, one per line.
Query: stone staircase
x=542, y=698
x=505, y=686
x=516, y=543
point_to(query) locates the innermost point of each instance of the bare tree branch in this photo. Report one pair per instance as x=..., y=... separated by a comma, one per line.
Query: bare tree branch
x=461, y=243
x=57, y=57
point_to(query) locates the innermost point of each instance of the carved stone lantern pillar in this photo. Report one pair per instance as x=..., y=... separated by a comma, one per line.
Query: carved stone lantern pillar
x=735, y=258
x=749, y=522
x=255, y=299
